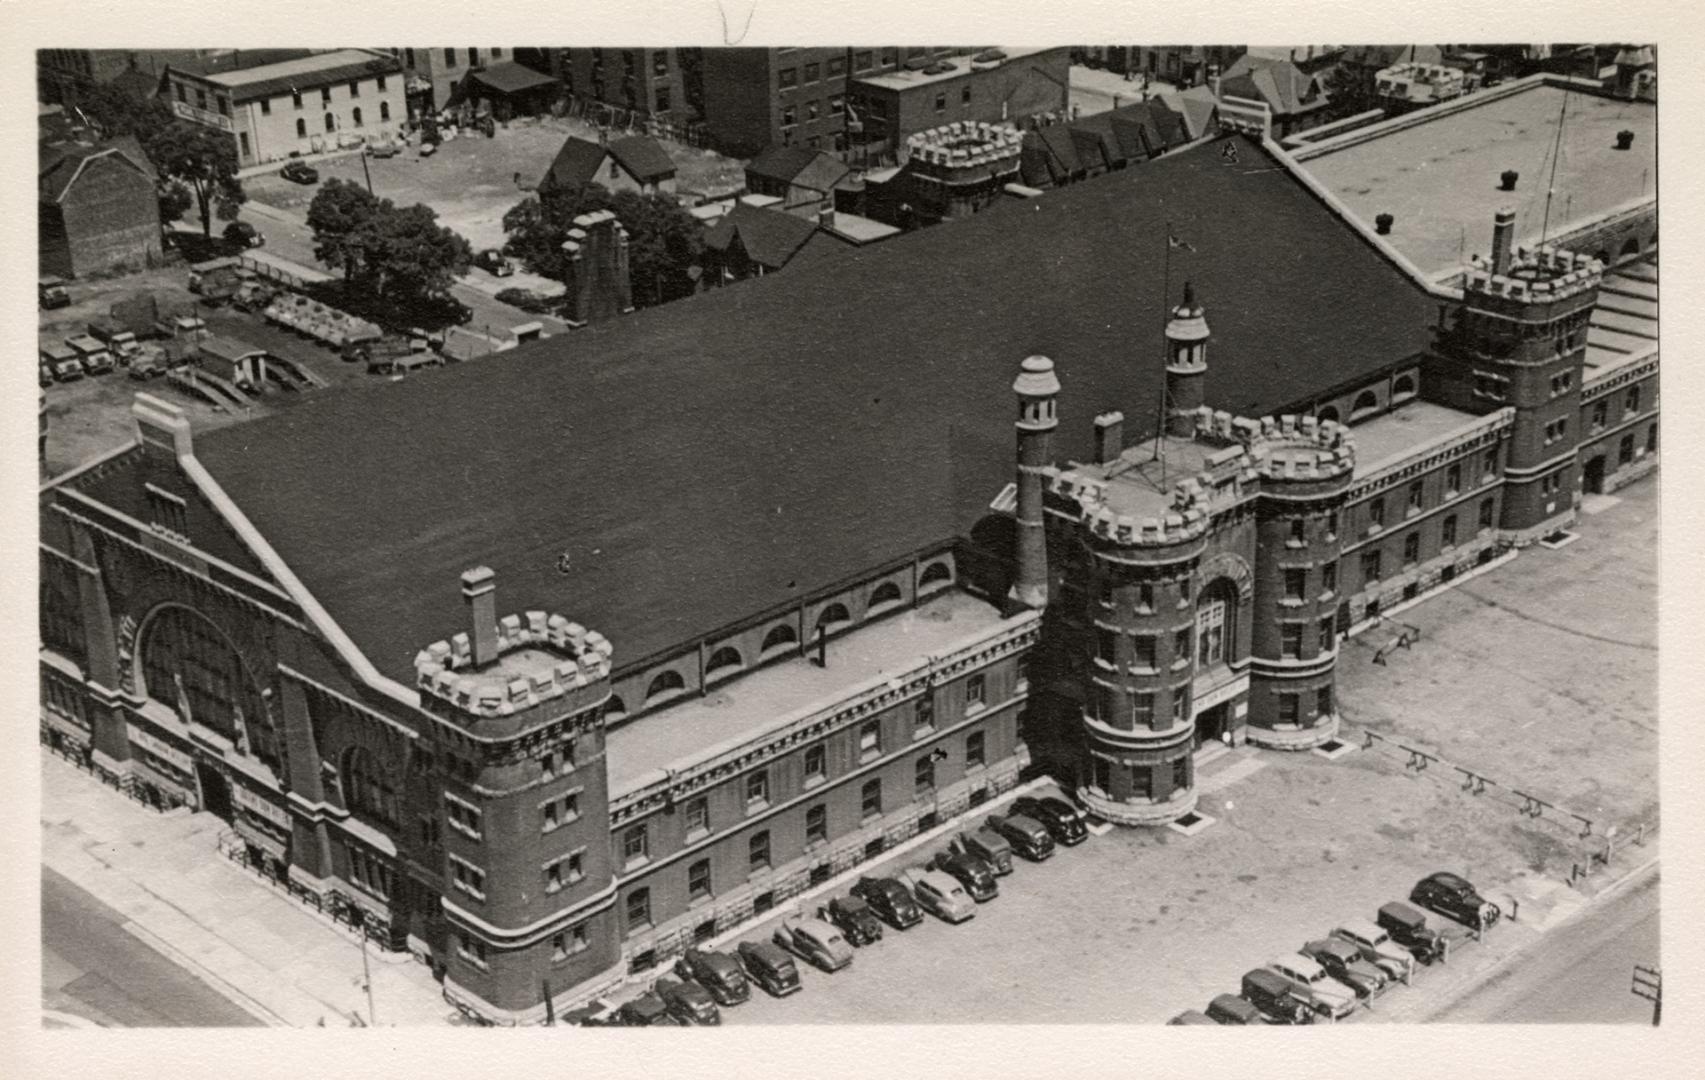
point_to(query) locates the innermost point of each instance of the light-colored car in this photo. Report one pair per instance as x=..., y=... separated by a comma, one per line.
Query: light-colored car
x=814, y=941
x=939, y=893
x=1324, y=994
x=1376, y=946
x=61, y=359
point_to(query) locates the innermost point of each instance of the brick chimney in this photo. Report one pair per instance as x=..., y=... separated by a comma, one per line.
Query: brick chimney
x=826, y=217
x=1109, y=436
x=1503, y=239
x=479, y=589
x=596, y=273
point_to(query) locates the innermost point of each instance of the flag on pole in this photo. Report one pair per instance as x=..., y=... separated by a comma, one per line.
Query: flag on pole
x=1174, y=243
x=853, y=122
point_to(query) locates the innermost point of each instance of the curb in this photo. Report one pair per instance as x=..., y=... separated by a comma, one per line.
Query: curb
x=225, y=988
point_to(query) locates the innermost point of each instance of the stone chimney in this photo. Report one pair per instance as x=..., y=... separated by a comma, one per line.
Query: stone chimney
x=1109, y=436
x=1503, y=239
x=596, y=273
x=826, y=216
x=479, y=589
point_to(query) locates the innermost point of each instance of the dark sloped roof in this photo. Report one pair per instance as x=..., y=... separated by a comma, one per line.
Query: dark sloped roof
x=59, y=163
x=312, y=80
x=1049, y=155
x=508, y=77
x=799, y=165
x=771, y=237
x=1281, y=84
x=643, y=156
x=575, y=165
x=716, y=456
x=237, y=60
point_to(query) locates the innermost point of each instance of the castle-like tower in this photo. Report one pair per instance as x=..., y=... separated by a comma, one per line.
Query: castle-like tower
x=1037, y=388
x=1186, y=364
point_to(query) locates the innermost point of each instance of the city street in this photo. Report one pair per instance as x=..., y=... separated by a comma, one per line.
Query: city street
x=94, y=969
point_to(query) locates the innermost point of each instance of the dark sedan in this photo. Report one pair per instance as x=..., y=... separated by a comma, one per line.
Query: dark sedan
x=1063, y=821
x=853, y=918
x=688, y=1001
x=300, y=173
x=717, y=972
x=891, y=900
x=1456, y=898
x=977, y=876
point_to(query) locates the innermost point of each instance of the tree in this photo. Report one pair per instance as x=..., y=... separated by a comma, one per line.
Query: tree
x=175, y=201
x=339, y=210
x=1349, y=92
x=205, y=162
x=116, y=112
x=393, y=255
x=663, y=239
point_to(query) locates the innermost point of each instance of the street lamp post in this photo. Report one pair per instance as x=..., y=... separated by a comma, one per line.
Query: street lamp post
x=367, y=979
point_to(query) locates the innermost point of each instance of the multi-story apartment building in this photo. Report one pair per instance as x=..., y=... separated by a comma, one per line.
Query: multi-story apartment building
x=297, y=106
x=432, y=75
x=662, y=84
x=987, y=86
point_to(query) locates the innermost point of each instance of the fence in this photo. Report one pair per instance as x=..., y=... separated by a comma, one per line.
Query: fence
x=613, y=118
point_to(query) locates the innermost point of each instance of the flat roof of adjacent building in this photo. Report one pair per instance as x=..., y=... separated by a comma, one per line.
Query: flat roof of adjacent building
x=1141, y=481
x=906, y=79
x=1625, y=322
x=305, y=73
x=1439, y=177
x=747, y=706
x=1403, y=431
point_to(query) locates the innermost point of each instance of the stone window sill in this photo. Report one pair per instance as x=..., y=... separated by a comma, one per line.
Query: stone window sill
x=814, y=779
x=870, y=754
x=972, y=708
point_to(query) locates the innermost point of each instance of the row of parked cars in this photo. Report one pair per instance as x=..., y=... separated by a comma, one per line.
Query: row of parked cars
x=101, y=349
x=1361, y=959
x=949, y=886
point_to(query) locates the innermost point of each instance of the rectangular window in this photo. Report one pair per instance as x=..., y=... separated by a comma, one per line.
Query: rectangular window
x=1144, y=658
x=941, y=101
x=381, y=84
x=787, y=78
x=1332, y=524
x=698, y=880
x=636, y=845
x=1288, y=709
x=757, y=790
x=812, y=73
x=565, y=945
x=758, y=852
x=1376, y=515
x=870, y=800
x=1180, y=703
x=474, y=58
x=975, y=689
x=295, y=98
x=354, y=88
x=1370, y=566
x=266, y=107
x=1296, y=583
x=1299, y=532
x=1181, y=644
x=864, y=61
x=837, y=65
x=870, y=739
x=1290, y=639
x=816, y=764
x=1142, y=709
x=837, y=104
x=1453, y=479
x=812, y=109
x=923, y=776
x=464, y=817
x=224, y=104
x=659, y=63
x=1625, y=451
x=789, y=116
x=449, y=57
x=817, y=825
x=201, y=99
x=1181, y=772
x=1486, y=514
x=1555, y=430
x=1488, y=385
x=1145, y=597
x=698, y=817
x=965, y=95
x=662, y=99
x=1326, y=634
x=182, y=96
x=470, y=948
x=1652, y=439
x=1323, y=701
x=1447, y=533
x=1601, y=414
x=639, y=909
x=1411, y=549
x=1106, y=645
x=325, y=95
x=1329, y=579
x=1631, y=402
x=1491, y=467
x=564, y=871
x=890, y=56
x=1415, y=497
x=974, y=749
x=467, y=877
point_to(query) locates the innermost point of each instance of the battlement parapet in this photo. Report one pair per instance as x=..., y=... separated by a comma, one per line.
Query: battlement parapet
x=1536, y=276
x=965, y=144
x=540, y=657
x=1282, y=448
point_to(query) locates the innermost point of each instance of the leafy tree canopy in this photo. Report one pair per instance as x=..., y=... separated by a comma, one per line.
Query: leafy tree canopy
x=398, y=255
x=663, y=239
x=204, y=161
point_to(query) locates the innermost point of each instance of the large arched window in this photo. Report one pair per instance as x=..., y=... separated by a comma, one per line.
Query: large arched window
x=1631, y=246
x=885, y=593
x=1403, y=387
x=1364, y=404
x=367, y=792
x=615, y=708
x=1328, y=413
x=935, y=574
x=189, y=666
x=779, y=636
x=724, y=661
x=665, y=685
x=833, y=618
x=1216, y=623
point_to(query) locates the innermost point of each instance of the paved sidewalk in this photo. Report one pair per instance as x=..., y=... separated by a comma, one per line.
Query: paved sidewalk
x=282, y=962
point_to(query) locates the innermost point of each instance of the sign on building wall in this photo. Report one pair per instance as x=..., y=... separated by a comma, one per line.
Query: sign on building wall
x=201, y=116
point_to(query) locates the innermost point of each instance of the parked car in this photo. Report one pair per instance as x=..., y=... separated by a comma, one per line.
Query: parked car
x=1344, y=962
x=1275, y=997
x=973, y=873
x=1191, y=1016
x=1064, y=822
x=646, y=1010
x=51, y=293
x=1026, y=835
x=389, y=148
x=94, y=355
x=1409, y=929
x=1377, y=947
x=299, y=172
x=987, y=845
x=940, y=895
x=717, y=972
x=688, y=1001
x=814, y=941
x=493, y=262
x=150, y=363
x=1453, y=897
x=121, y=343
x=1324, y=994
x=853, y=918
x=891, y=900
x=253, y=295
x=769, y=967
x=62, y=360
x=405, y=365
x=44, y=376
x=1232, y=1010
x=244, y=235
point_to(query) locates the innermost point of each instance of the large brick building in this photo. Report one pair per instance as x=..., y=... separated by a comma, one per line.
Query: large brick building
x=580, y=733
x=97, y=207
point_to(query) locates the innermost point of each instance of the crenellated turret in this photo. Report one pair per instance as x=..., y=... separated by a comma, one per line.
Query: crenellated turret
x=1037, y=388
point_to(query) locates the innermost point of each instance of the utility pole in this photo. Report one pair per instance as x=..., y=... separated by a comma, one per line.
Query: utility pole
x=367, y=979
x=1649, y=984
x=365, y=173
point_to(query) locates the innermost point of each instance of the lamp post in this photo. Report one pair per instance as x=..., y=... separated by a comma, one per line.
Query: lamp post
x=367, y=978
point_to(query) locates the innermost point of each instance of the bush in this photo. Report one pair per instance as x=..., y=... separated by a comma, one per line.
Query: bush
x=525, y=299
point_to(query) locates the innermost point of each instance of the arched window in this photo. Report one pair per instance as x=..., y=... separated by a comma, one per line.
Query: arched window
x=1216, y=623
x=615, y=708
x=356, y=115
x=1631, y=246
x=665, y=685
x=833, y=617
x=189, y=666
x=725, y=659
x=1403, y=387
x=885, y=593
x=301, y=128
x=1365, y=403
x=331, y=123
x=1328, y=413
x=1602, y=256
x=780, y=635
x=384, y=111
x=935, y=574
x=367, y=792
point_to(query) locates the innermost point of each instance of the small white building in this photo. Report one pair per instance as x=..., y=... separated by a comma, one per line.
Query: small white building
x=301, y=106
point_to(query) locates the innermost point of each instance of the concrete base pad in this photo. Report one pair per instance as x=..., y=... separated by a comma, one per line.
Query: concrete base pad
x=1303, y=739
x=1119, y=813
x=1199, y=822
x=1343, y=749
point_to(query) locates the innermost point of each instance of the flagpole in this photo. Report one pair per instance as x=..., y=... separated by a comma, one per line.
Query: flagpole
x=1165, y=313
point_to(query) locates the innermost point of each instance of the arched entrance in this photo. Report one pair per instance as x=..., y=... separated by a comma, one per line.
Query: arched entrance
x=1216, y=648
x=188, y=665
